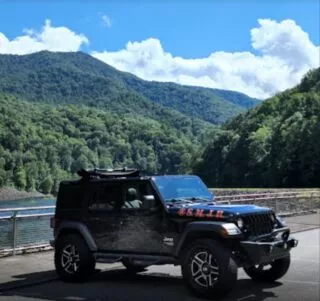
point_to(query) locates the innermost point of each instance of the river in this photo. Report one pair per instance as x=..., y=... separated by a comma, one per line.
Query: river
x=29, y=230
x=28, y=202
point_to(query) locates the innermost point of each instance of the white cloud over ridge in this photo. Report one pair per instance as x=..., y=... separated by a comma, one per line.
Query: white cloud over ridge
x=50, y=38
x=285, y=54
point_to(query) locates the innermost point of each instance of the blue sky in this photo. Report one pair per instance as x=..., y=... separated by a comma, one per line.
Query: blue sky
x=186, y=28
x=189, y=42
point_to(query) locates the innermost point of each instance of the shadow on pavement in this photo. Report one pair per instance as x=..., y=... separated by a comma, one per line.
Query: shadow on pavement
x=120, y=285
x=25, y=280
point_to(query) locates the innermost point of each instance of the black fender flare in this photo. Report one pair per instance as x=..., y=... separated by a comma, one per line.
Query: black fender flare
x=205, y=227
x=79, y=228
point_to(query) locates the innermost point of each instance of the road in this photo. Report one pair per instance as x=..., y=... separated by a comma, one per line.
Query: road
x=165, y=283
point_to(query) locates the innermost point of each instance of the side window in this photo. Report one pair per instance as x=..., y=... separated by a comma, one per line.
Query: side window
x=105, y=197
x=133, y=196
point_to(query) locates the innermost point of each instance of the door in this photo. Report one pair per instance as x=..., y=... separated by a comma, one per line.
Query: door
x=104, y=215
x=142, y=220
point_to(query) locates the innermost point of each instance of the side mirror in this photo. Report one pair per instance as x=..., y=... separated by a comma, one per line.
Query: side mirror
x=150, y=200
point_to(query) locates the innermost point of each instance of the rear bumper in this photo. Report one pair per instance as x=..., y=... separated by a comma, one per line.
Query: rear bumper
x=264, y=252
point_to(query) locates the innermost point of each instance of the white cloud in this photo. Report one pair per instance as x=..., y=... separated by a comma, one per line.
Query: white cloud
x=106, y=21
x=286, y=54
x=50, y=38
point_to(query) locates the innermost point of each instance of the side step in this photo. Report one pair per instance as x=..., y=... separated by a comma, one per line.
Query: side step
x=135, y=258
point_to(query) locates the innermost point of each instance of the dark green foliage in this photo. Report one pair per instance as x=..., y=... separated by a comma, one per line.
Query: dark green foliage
x=212, y=105
x=42, y=144
x=273, y=145
x=77, y=78
x=64, y=111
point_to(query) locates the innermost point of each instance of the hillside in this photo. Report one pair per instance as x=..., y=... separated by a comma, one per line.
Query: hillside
x=41, y=144
x=273, y=145
x=78, y=78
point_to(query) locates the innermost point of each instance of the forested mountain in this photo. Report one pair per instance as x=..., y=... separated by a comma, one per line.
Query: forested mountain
x=41, y=144
x=78, y=78
x=273, y=145
x=60, y=112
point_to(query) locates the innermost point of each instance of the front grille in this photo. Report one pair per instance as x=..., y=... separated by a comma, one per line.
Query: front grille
x=258, y=224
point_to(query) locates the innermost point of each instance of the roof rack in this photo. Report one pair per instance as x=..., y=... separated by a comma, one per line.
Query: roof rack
x=108, y=173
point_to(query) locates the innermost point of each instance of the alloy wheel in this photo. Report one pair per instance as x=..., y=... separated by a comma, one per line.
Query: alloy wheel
x=204, y=269
x=70, y=259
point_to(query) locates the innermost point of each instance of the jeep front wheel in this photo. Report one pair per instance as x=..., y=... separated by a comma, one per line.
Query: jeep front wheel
x=208, y=269
x=73, y=259
x=269, y=272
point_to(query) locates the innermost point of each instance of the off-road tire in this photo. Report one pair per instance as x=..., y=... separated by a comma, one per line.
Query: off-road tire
x=133, y=268
x=221, y=263
x=278, y=269
x=85, y=263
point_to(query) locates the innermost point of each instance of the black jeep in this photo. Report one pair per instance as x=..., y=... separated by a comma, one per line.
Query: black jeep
x=121, y=216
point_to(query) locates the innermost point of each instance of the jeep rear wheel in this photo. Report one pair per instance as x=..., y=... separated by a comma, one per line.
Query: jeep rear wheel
x=208, y=269
x=73, y=259
x=269, y=272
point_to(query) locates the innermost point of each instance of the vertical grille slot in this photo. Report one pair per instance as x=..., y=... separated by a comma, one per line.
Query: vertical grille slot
x=258, y=224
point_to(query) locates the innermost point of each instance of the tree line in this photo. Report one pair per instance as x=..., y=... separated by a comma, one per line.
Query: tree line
x=273, y=145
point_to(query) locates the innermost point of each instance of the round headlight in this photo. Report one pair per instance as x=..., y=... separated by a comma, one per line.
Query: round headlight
x=240, y=223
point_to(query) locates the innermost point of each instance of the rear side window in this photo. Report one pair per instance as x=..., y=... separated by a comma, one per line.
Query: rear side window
x=105, y=197
x=70, y=196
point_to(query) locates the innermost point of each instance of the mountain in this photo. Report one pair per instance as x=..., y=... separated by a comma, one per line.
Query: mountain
x=41, y=144
x=275, y=144
x=78, y=78
x=64, y=111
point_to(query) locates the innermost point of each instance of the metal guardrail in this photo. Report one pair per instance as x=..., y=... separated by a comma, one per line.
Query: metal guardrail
x=25, y=228
x=29, y=227
x=308, y=193
x=282, y=203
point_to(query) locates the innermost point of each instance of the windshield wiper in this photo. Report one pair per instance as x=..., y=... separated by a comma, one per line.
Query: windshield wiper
x=199, y=199
x=178, y=200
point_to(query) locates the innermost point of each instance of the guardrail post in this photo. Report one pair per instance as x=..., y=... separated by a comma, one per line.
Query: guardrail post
x=14, y=232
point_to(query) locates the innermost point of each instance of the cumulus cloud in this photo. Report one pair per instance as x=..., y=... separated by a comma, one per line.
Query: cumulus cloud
x=49, y=38
x=285, y=54
x=106, y=21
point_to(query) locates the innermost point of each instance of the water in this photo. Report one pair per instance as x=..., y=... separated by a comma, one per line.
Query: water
x=29, y=230
x=29, y=202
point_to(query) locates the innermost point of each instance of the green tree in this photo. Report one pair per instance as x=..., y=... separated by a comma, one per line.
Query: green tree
x=20, y=178
x=46, y=185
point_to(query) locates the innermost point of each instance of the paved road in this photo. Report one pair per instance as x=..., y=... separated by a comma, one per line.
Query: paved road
x=165, y=283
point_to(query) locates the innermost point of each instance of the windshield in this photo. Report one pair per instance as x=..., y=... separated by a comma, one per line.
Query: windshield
x=180, y=188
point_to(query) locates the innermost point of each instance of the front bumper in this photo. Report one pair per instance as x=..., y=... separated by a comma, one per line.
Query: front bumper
x=258, y=252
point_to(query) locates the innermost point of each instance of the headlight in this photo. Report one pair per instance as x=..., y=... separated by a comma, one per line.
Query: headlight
x=230, y=229
x=240, y=223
